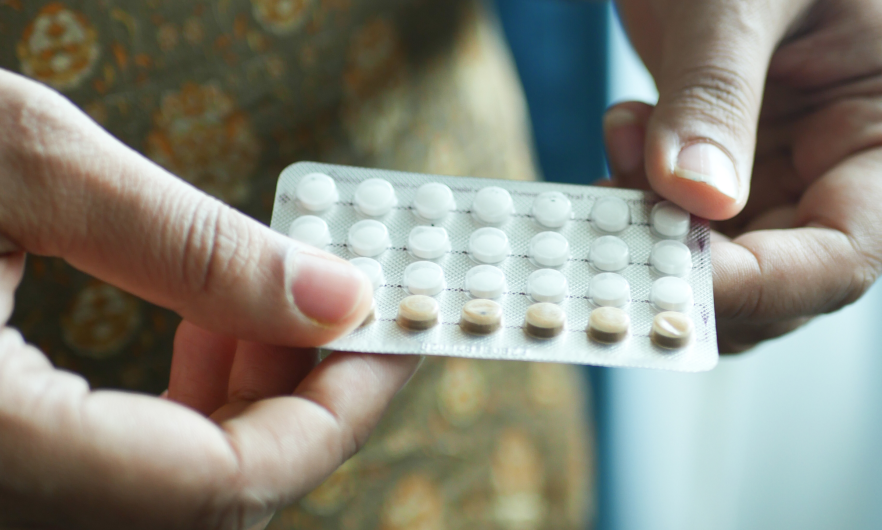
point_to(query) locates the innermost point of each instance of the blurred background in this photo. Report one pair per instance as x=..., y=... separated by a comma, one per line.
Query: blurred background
x=786, y=436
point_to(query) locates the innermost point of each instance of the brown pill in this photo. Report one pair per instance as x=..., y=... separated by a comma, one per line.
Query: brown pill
x=481, y=317
x=671, y=330
x=544, y=320
x=608, y=324
x=418, y=312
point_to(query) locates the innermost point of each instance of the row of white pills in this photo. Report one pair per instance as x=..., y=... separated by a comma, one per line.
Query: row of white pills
x=544, y=285
x=491, y=205
x=370, y=238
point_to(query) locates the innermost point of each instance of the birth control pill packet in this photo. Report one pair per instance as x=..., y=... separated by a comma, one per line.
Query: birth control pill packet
x=498, y=269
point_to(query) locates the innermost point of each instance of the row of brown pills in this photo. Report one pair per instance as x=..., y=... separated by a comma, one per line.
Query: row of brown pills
x=544, y=320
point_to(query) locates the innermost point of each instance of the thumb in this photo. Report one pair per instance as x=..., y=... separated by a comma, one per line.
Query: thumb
x=68, y=189
x=710, y=76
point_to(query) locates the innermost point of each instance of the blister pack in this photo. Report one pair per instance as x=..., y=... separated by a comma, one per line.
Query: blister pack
x=497, y=269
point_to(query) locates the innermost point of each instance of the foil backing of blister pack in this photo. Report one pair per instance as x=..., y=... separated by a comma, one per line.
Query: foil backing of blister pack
x=510, y=342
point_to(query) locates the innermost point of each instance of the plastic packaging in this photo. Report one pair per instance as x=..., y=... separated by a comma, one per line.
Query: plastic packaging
x=547, y=254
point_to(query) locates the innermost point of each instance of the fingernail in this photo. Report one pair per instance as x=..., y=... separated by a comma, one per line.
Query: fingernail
x=323, y=289
x=624, y=140
x=707, y=163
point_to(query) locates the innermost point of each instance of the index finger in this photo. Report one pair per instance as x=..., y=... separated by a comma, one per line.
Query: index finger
x=71, y=190
x=831, y=257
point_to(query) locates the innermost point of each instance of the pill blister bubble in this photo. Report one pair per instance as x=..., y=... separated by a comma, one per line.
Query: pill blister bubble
x=671, y=330
x=609, y=254
x=608, y=325
x=611, y=214
x=368, y=238
x=544, y=320
x=311, y=230
x=489, y=245
x=669, y=220
x=424, y=277
x=433, y=201
x=492, y=205
x=480, y=317
x=317, y=192
x=371, y=268
x=671, y=294
x=549, y=249
x=609, y=289
x=552, y=209
x=418, y=313
x=428, y=242
x=485, y=281
x=375, y=197
x=547, y=285
x=671, y=258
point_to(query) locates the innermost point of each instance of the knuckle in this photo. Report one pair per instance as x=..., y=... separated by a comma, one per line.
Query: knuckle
x=33, y=117
x=721, y=96
x=39, y=133
x=217, y=246
x=862, y=278
x=866, y=266
x=228, y=503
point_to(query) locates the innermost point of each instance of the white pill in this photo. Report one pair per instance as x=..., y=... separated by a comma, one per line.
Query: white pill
x=609, y=289
x=489, y=245
x=493, y=205
x=317, y=192
x=611, y=214
x=549, y=249
x=485, y=281
x=671, y=294
x=368, y=238
x=547, y=285
x=669, y=220
x=552, y=209
x=671, y=257
x=311, y=230
x=424, y=277
x=375, y=197
x=433, y=201
x=371, y=268
x=428, y=242
x=609, y=253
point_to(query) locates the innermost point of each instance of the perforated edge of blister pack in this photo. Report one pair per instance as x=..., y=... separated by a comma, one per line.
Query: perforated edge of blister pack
x=510, y=342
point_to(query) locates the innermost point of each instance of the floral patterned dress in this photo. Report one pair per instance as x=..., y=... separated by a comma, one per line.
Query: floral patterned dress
x=224, y=94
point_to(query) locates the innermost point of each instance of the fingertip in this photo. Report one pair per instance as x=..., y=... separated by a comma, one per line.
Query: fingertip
x=624, y=128
x=329, y=292
x=698, y=198
x=699, y=176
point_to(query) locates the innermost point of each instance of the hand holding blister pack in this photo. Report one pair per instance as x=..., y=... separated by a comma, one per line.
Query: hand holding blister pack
x=492, y=269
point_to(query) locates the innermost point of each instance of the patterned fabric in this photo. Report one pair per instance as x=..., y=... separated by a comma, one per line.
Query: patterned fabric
x=225, y=94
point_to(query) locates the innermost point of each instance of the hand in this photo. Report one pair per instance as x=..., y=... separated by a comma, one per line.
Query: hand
x=782, y=97
x=251, y=422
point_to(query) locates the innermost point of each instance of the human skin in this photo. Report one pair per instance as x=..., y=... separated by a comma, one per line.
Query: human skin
x=243, y=412
x=251, y=420
x=769, y=120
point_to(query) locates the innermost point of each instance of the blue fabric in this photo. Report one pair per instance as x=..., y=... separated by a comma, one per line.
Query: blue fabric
x=560, y=49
